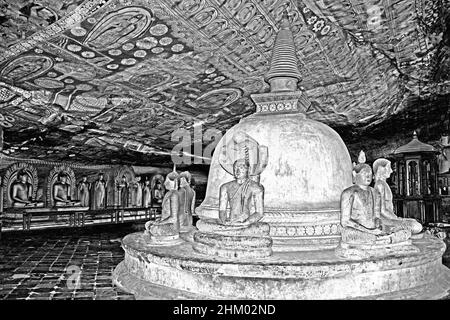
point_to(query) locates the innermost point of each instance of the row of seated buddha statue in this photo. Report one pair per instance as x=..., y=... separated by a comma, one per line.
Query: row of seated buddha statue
x=238, y=230
x=21, y=192
x=369, y=227
x=21, y=184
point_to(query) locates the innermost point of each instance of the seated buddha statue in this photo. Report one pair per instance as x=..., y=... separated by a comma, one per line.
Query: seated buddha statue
x=383, y=195
x=166, y=230
x=62, y=192
x=21, y=193
x=238, y=231
x=363, y=233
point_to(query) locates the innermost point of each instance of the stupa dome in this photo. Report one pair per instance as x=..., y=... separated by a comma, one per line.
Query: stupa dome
x=308, y=164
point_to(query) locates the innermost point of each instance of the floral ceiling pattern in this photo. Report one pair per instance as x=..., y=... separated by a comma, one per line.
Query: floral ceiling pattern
x=103, y=81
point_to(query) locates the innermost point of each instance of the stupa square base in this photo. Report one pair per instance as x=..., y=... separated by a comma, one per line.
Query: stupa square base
x=179, y=272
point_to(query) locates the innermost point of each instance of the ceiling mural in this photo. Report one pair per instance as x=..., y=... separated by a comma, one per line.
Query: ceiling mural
x=97, y=80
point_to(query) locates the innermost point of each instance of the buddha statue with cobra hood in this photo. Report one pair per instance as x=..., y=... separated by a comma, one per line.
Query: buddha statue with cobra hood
x=238, y=231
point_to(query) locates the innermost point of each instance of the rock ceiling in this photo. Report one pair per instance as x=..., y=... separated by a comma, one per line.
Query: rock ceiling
x=99, y=81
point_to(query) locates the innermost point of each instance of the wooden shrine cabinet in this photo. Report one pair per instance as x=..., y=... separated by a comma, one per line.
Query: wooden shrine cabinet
x=415, y=178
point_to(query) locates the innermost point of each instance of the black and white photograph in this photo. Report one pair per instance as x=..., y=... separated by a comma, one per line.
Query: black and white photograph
x=234, y=152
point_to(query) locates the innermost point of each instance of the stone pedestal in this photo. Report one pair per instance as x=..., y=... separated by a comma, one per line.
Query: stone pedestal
x=179, y=272
x=233, y=241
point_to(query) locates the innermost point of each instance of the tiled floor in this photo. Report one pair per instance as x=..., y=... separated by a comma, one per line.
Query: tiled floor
x=47, y=264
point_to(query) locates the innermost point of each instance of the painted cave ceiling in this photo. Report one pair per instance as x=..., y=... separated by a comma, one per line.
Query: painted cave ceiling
x=99, y=81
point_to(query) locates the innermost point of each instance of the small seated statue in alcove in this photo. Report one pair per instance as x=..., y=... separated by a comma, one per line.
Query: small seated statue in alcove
x=362, y=230
x=166, y=230
x=62, y=193
x=382, y=170
x=21, y=192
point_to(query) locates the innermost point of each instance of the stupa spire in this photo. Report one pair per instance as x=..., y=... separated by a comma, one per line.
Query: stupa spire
x=283, y=74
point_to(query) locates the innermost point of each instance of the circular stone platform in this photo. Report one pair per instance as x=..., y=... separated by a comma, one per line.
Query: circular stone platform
x=178, y=272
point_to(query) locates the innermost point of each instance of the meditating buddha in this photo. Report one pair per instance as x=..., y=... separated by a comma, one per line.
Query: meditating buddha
x=62, y=192
x=383, y=194
x=363, y=232
x=239, y=195
x=21, y=193
x=166, y=230
x=238, y=231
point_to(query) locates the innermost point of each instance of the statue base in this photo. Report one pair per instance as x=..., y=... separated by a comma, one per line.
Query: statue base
x=179, y=272
x=349, y=251
x=233, y=240
x=28, y=205
x=294, y=230
x=232, y=247
x=172, y=240
x=70, y=204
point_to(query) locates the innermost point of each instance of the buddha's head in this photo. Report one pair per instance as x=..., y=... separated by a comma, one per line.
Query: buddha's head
x=185, y=178
x=382, y=169
x=241, y=168
x=63, y=178
x=138, y=178
x=22, y=176
x=100, y=176
x=84, y=178
x=171, y=182
x=362, y=174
